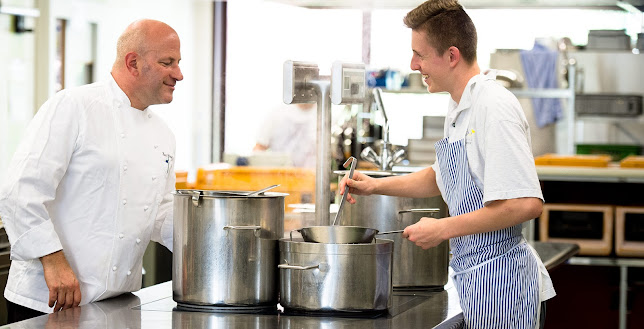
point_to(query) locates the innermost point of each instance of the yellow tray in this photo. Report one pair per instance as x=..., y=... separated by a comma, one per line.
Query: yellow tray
x=632, y=161
x=594, y=160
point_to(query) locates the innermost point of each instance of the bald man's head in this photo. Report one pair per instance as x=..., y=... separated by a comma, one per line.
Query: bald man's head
x=147, y=62
x=139, y=37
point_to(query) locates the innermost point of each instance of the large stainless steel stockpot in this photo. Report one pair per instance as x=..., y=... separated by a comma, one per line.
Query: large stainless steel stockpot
x=413, y=266
x=225, y=248
x=335, y=277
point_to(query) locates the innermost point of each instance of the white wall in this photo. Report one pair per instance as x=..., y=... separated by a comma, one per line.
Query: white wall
x=261, y=36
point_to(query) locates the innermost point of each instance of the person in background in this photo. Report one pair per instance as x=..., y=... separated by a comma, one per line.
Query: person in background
x=290, y=129
x=90, y=183
x=484, y=171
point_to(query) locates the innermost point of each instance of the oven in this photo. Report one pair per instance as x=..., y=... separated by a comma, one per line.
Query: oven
x=589, y=226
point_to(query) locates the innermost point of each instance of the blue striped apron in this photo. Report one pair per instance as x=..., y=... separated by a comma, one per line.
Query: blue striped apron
x=496, y=274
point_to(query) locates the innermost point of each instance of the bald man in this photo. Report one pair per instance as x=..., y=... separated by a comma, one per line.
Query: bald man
x=90, y=184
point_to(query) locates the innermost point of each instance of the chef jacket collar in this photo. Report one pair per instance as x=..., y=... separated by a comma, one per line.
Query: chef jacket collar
x=466, y=98
x=119, y=94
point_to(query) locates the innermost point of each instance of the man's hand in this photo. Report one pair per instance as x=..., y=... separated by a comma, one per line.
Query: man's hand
x=361, y=184
x=64, y=289
x=425, y=233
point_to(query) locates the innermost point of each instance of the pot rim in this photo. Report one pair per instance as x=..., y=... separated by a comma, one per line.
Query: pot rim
x=223, y=194
x=299, y=246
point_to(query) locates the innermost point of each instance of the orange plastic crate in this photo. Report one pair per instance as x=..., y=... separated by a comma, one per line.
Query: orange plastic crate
x=182, y=180
x=595, y=160
x=297, y=182
x=632, y=161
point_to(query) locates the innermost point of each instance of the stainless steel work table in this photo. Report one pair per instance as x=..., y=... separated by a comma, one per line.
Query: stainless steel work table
x=153, y=307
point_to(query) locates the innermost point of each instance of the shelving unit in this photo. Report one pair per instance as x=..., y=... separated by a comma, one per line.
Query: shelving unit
x=568, y=123
x=623, y=264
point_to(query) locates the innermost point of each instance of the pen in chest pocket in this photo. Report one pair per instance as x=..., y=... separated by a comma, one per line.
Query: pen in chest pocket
x=168, y=161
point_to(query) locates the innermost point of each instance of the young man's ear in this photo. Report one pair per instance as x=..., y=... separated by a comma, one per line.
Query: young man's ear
x=131, y=63
x=454, y=55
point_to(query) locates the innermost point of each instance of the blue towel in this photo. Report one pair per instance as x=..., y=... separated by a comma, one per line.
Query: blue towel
x=540, y=67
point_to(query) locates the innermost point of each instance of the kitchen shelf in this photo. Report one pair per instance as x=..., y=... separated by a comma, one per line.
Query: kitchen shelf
x=611, y=174
x=611, y=119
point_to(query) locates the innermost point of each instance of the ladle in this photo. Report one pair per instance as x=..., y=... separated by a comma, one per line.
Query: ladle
x=346, y=187
x=254, y=193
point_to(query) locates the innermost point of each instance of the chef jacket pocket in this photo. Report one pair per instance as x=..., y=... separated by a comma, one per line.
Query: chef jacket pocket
x=168, y=163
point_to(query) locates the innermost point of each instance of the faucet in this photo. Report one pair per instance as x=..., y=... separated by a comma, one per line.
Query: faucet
x=389, y=154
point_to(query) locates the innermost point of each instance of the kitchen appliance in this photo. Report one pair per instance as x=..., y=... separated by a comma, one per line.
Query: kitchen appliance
x=628, y=105
x=414, y=268
x=225, y=250
x=629, y=231
x=608, y=40
x=330, y=277
x=589, y=226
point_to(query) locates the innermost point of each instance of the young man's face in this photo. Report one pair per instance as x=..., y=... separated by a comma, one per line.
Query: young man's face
x=425, y=59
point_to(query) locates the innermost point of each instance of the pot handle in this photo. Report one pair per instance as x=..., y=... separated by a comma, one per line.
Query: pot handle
x=196, y=195
x=424, y=210
x=297, y=267
x=250, y=227
x=252, y=256
x=291, y=233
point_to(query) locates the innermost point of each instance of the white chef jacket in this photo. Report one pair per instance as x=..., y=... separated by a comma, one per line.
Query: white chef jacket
x=497, y=140
x=93, y=176
x=291, y=130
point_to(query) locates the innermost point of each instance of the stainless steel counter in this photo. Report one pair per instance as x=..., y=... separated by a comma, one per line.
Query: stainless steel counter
x=153, y=307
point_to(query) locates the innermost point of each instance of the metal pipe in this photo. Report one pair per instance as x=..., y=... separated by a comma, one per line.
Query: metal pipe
x=323, y=152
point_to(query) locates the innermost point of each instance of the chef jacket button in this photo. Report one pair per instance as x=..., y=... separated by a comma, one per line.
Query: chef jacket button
x=129, y=272
x=121, y=235
x=124, y=201
x=124, y=168
x=145, y=208
x=149, y=115
x=138, y=240
x=154, y=177
x=122, y=135
x=155, y=146
x=114, y=268
x=453, y=124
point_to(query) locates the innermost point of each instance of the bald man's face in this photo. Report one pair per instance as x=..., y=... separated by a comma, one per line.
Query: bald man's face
x=160, y=71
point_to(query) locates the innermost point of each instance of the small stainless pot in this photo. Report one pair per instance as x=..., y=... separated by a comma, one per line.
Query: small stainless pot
x=335, y=277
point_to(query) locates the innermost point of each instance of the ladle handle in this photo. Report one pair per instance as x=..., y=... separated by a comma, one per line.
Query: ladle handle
x=258, y=192
x=346, y=188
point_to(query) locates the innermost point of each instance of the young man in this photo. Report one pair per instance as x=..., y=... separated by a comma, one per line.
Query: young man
x=485, y=173
x=89, y=186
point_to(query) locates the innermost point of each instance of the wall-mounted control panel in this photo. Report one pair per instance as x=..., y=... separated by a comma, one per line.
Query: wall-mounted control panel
x=297, y=76
x=348, y=83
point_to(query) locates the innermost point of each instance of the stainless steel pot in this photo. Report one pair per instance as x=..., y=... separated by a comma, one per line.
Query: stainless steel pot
x=413, y=266
x=225, y=248
x=335, y=277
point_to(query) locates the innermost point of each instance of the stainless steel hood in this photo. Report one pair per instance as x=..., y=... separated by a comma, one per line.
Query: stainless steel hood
x=627, y=5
